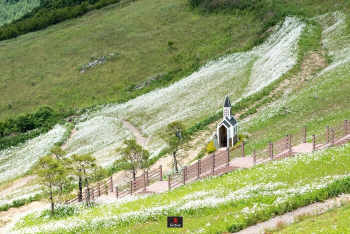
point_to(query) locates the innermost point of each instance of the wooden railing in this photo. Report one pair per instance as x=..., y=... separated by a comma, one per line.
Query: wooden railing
x=209, y=164
x=105, y=186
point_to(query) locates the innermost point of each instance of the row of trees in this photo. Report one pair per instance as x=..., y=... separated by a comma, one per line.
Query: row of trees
x=57, y=172
x=11, y=10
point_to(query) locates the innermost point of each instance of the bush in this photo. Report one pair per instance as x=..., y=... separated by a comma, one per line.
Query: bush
x=210, y=147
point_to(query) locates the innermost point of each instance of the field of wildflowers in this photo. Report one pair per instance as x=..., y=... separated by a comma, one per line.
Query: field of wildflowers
x=235, y=200
x=323, y=99
x=193, y=97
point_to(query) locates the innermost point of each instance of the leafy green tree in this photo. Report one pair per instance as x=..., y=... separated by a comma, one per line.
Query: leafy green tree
x=133, y=157
x=87, y=165
x=49, y=172
x=177, y=140
x=58, y=152
x=64, y=178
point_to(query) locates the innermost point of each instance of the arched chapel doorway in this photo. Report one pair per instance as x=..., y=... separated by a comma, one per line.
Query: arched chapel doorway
x=223, y=136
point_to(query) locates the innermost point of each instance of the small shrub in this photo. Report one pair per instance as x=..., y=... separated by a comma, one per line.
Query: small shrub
x=211, y=148
x=235, y=227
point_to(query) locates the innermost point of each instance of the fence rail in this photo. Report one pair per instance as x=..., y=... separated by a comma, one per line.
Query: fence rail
x=236, y=153
x=321, y=138
x=192, y=172
x=209, y=164
x=339, y=131
x=281, y=145
x=206, y=164
x=176, y=179
x=221, y=159
x=262, y=153
x=297, y=137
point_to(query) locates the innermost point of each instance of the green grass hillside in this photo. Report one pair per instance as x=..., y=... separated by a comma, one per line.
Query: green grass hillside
x=42, y=67
x=147, y=38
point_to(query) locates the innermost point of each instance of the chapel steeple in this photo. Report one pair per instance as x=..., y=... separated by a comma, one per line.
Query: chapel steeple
x=227, y=107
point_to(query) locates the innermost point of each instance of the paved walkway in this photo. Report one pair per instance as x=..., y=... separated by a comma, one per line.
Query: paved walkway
x=241, y=162
x=290, y=217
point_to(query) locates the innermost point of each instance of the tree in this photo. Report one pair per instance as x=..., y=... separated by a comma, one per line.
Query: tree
x=64, y=178
x=58, y=152
x=49, y=171
x=177, y=140
x=87, y=164
x=133, y=157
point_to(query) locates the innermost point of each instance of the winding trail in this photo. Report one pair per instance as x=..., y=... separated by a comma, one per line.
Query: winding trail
x=139, y=138
x=70, y=138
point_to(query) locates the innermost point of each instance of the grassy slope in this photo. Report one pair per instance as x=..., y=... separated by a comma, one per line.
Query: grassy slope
x=335, y=221
x=323, y=99
x=41, y=67
x=298, y=180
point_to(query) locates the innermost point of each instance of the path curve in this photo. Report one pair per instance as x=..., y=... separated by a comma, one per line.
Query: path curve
x=139, y=138
x=289, y=218
x=70, y=138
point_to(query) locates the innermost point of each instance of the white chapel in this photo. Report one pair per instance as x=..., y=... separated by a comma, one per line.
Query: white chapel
x=227, y=129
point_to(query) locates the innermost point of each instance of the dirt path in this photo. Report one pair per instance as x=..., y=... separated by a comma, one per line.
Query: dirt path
x=139, y=138
x=13, y=214
x=70, y=138
x=17, y=184
x=293, y=216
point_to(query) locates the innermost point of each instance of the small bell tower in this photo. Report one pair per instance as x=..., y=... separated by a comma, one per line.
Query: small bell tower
x=227, y=107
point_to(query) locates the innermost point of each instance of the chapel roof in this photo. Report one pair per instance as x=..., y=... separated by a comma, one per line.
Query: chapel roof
x=227, y=102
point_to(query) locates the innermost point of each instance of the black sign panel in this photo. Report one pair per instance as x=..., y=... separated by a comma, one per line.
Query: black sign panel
x=175, y=222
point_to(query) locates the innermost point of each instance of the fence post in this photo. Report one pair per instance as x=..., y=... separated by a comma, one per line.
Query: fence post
x=346, y=127
x=111, y=183
x=313, y=143
x=290, y=142
x=116, y=191
x=228, y=156
x=144, y=181
x=169, y=182
x=161, y=172
x=254, y=158
x=286, y=137
x=304, y=134
x=198, y=168
x=86, y=194
x=184, y=174
x=213, y=157
x=269, y=148
x=242, y=148
x=99, y=189
x=271, y=151
x=92, y=193
x=327, y=133
x=130, y=187
x=332, y=137
x=147, y=181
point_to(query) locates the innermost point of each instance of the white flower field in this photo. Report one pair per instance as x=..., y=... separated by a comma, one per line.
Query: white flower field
x=241, y=194
x=192, y=98
x=273, y=185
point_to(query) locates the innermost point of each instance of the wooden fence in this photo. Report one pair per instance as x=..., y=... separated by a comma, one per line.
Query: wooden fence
x=136, y=185
x=332, y=135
